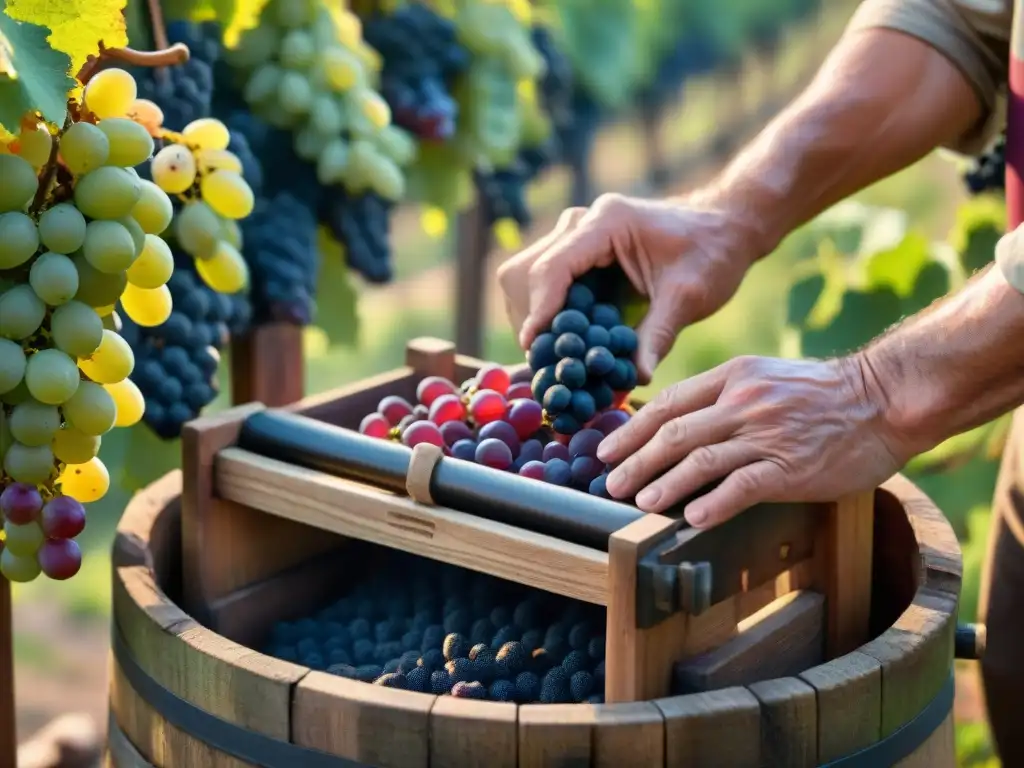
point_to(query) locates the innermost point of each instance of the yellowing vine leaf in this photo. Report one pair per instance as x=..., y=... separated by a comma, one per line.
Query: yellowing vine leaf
x=33, y=76
x=77, y=27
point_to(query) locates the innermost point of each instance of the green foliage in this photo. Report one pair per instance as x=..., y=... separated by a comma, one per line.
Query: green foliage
x=33, y=76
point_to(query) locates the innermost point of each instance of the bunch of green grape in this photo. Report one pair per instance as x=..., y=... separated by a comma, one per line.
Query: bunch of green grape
x=79, y=233
x=197, y=166
x=307, y=69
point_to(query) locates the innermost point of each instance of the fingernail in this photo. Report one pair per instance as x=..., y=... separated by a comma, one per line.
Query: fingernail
x=696, y=517
x=648, y=497
x=614, y=482
x=606, y=449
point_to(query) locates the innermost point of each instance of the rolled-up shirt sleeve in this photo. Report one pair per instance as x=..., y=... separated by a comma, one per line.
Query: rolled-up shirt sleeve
x=973, y=34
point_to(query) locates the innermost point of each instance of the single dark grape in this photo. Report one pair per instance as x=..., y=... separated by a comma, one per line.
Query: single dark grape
x=602, y=394
x=533, y=470
x=597, y=336
x=555, y=450
x=392, y=680
x=557, y=399
x=582, y=407
x=432, y=387
x=525, y=416
x=585, y=470
x=598, y=486
x=531, y=450
x=511, y=658
x=570, y=345
x=580, y=298
x=439, y=682
x=502, y=690
x=542, y=352
x=453, y=431
x=599, y=361
x=465, y=450
x=503, y=431
x=570, y=321
x=418, y=680
x=543, y=380
x=459, y=670
x=571, y=372
x=527, y=687
x=605, y=315
x=467, y=690
x=447, y=408
x=455, y=646
x=623, y=341
x=494, y=453
x=611, y=420
x=555, y=687
x=394, y=409
x=565, y=424
x=581, y=685
x=557, y=472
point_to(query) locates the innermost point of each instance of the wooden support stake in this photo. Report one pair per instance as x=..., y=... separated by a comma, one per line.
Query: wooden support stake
x=267, y=366
x=472, y=246
x=8, y=725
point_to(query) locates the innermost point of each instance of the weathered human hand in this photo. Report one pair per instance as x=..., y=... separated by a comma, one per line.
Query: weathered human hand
x=775, y=430
x=687, y=257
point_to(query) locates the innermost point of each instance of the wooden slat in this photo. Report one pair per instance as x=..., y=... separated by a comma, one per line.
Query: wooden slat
x=556, y=734
x=784, y=638
x=121, y=753
x=849, y=694
x=246, y=616
x=473, y=734
x=844, y=555
x=224, y=678
x=366, y=723
x=628, y=734
x=638, y=661
x=720, y=728
x=789, y=722
x=346, y=406
x=916, y=655
x=370, y=514
x=431, y=357
x=225, y=545
x=940, y=554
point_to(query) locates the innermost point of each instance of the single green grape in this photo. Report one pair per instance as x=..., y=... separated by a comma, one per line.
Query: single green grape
x=154, y=209
x=34, y=423
x=54, y=278
x=74, y=447
x=154, y=266
x=19, y=183
x=197, y=228
x=19, y=238
x=52, y=376
x=91, y=411
x=108, y=192
x=112, y=361
x=76, y=329
x=21, y=312
x=84, y=148
x=62, y=228
x=95, y=288
x=108, y=247
x=12, y=365
x=130, y=143
x=29, y=463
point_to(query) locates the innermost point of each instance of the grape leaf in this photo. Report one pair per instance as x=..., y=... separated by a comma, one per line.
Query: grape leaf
x=864, y=315
x=33, y=76
x=932, y=283
x=980, y=222
x=898, y=267
x=77, y=27
x=802, y=298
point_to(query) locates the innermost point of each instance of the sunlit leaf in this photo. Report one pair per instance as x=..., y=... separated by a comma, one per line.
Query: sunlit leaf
x=34, y=76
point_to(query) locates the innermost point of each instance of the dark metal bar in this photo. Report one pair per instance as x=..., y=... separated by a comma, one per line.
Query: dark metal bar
x=563, y=513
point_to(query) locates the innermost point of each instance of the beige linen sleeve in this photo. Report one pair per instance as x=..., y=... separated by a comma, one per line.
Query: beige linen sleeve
x=973, y=34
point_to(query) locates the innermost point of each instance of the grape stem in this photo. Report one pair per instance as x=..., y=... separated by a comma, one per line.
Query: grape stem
x=163, y=57
x=50, y=170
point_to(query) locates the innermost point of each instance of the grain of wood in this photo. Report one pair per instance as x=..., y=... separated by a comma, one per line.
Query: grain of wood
x=789, y=722
x=845, y=553
x=939, y=751
x=628, y=734
x=366, y=723
x=784, y=638
x=473, y=734
x=431, y=357
x=849, y=695
x=720, y=728
x=556, y=735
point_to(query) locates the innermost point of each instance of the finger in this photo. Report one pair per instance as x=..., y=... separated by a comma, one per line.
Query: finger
x=656, y=335
x=672, y=443
x=753, y=484
x=693, y=394
x=513, y=275
x=702, y=466
x=585, y=247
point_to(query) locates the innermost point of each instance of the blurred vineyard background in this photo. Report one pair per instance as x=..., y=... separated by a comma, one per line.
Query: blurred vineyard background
x=831, y=286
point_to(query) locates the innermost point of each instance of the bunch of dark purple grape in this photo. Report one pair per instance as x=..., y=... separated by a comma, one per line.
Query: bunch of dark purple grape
x=583, y=363
x=495, y=421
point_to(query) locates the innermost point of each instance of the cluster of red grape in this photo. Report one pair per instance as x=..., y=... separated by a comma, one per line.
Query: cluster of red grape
x=494, y=420
x=39, y=536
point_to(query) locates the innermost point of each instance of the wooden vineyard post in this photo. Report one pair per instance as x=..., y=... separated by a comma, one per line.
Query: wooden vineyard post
x=267, y=366
x=8, y=727
x=472, y=246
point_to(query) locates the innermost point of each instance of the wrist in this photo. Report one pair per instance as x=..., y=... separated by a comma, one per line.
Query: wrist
x=742, y=223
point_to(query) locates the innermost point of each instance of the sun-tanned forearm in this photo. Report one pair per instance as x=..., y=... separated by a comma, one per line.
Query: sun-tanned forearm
x=954, y=366
x=881, y=101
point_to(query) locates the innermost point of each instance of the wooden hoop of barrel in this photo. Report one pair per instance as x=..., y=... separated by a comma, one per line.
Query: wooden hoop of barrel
x=817, y=717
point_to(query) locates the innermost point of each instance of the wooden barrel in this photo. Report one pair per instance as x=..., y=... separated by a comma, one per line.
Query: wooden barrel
x=183, y=696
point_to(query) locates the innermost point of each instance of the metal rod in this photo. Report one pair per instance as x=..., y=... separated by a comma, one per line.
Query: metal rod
x=563, y=513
